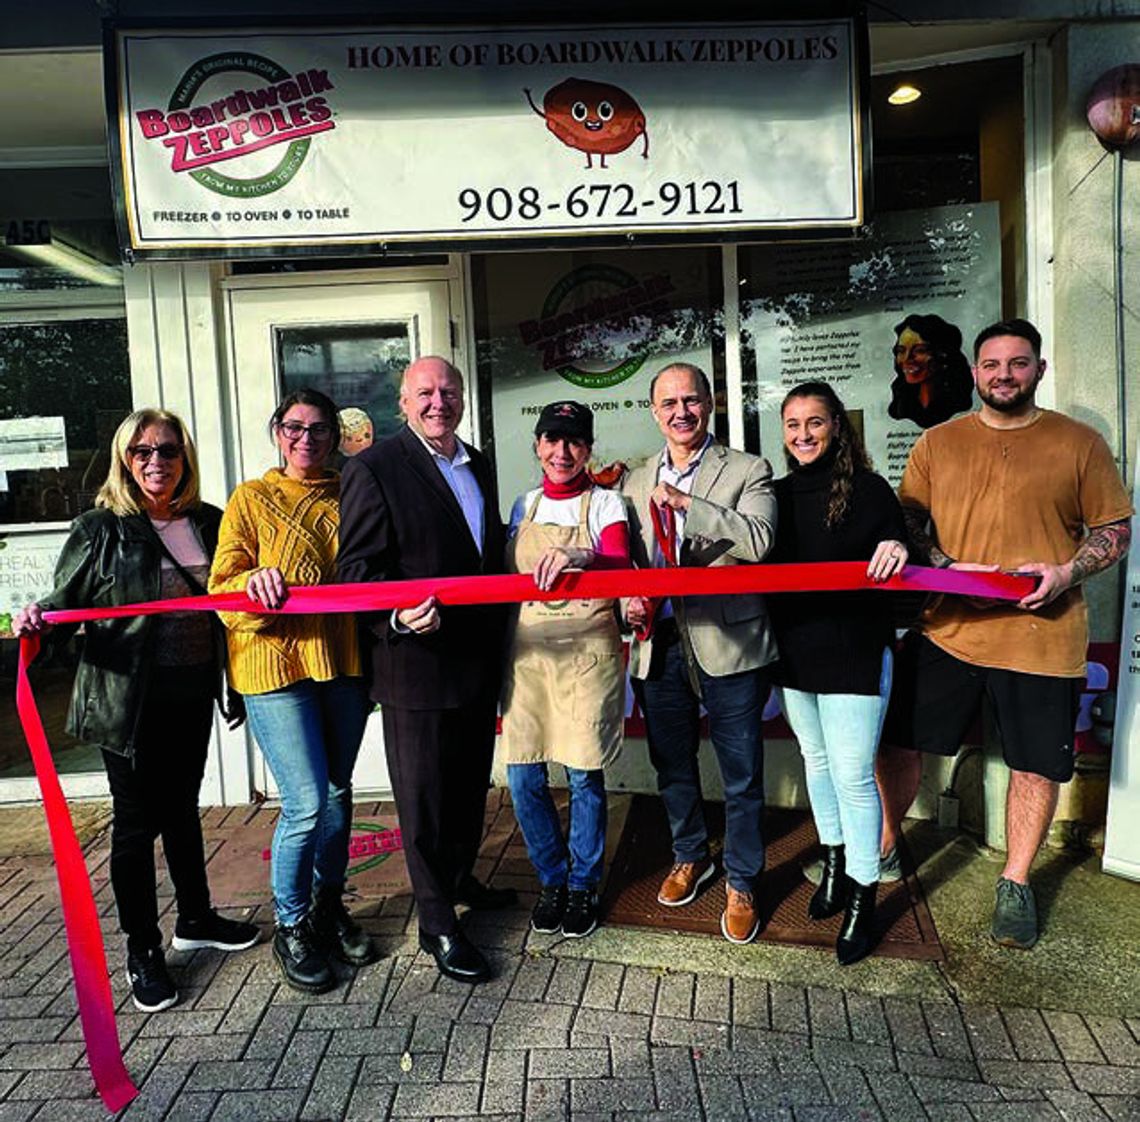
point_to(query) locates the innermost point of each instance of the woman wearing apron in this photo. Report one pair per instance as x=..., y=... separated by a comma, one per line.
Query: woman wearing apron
x=564, y=694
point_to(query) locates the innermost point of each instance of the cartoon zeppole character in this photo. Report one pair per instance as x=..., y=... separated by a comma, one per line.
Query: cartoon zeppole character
x=356, y=431
x=594, y=117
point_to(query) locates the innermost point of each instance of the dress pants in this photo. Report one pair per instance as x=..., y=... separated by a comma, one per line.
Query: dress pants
x=735, y=706
x=439, y=761
x=154, y=795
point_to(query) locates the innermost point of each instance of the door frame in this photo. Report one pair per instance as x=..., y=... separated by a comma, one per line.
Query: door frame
x=242, y=770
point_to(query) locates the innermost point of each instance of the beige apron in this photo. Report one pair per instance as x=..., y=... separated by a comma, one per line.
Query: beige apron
x=564, y=693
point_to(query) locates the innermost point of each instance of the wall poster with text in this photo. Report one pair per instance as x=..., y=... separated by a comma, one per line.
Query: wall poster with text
x=590, y=327
x=889, y=321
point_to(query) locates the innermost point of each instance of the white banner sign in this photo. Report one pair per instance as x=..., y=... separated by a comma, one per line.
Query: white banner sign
x=321, y=137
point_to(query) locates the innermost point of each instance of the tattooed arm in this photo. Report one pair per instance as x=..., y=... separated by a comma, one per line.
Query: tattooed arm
x=1104, y=546
x=918, y=537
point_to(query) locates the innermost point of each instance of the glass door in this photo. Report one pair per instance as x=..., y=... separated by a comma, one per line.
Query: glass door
x=352, y=342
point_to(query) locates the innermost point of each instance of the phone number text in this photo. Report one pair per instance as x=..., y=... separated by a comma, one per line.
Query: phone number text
x=602, y=200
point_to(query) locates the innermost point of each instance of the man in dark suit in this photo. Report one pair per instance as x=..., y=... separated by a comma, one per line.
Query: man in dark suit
x=422, y=504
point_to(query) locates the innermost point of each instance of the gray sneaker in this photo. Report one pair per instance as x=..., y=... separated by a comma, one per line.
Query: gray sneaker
x=890, y=868
x=1015, y=915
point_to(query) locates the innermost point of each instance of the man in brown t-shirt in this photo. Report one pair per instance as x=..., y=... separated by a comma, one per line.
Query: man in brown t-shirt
x=1018, y=488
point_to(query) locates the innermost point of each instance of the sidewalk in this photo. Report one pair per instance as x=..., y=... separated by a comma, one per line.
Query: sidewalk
x=626, y=1024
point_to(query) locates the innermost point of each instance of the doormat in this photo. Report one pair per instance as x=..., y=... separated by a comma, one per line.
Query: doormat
x=239, y=866
x=644, y=857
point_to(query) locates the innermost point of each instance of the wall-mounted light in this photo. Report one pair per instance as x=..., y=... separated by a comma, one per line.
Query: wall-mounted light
x=904, y=94
x=60, y=255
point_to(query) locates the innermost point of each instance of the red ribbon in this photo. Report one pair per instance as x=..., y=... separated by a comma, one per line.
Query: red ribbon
x=84, y=938
x=606, y=584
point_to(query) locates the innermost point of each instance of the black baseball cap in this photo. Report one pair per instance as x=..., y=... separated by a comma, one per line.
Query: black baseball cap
x=566, y=418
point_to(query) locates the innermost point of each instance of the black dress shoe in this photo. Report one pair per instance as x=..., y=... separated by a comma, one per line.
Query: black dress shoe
x=830, y=897
x=456, y=957
x=484, y=898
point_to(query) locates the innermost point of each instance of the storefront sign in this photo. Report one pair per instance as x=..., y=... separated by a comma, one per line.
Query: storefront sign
x=308, y=137
x=888, y=322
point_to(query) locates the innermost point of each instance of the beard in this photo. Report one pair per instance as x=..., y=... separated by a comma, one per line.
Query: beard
x=1011, y=403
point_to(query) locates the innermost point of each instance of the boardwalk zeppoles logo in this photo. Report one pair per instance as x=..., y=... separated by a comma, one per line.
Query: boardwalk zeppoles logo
x=204, y=129
x=597, y=325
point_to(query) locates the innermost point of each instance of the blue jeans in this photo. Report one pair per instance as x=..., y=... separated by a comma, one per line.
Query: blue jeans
x=309, y=733
x=839, y=736
x=735, y=705
x=578, y=864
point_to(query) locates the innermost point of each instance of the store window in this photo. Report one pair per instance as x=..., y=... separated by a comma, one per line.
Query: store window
x=888, y=318
x=594, y=327
x=358, y=363
x=64, y=387
x=64, y=370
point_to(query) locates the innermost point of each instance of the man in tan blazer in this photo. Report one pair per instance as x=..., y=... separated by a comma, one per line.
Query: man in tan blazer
x=704, y=648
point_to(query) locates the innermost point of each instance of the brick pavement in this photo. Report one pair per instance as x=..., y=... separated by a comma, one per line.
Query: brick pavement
x=551, y=1037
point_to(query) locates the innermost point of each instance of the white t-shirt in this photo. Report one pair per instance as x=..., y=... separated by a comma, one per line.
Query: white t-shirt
x=606, y=508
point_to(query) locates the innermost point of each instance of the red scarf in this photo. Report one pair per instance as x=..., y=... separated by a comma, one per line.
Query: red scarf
x=567, y=490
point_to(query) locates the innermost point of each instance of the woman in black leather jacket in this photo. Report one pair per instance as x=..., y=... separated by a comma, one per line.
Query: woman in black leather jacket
x=146, y=685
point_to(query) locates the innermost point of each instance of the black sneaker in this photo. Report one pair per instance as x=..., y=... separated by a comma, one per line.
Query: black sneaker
x=1015, y=915
x=151, y=985
x=551, y=907
x=581, y=913
x=338, y=933
x=304, y=965
x=213, y=930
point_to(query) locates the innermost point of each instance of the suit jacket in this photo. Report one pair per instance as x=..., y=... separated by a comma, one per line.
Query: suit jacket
x=399, y=520
x=732, y=521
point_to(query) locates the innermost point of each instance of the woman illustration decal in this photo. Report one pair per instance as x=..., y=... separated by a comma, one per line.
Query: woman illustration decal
x=932, y=376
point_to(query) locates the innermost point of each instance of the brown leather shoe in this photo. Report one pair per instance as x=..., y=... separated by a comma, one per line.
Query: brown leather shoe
x=684, y=882
x=739, y=921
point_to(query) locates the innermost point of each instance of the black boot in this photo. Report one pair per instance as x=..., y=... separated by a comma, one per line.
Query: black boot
x=304, y=964
x=831, y=894
x=857, y=936
x=337, y=932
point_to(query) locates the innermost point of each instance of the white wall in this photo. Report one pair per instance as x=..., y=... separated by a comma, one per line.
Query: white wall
x=176, y=362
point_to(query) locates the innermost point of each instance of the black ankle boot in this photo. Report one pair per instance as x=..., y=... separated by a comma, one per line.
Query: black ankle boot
x=337, y=932
x=857, y=936
x=303, y=963
x=831, y=894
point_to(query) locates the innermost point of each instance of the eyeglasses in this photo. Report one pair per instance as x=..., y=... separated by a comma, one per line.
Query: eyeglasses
x=294, y=430
x=141, y=453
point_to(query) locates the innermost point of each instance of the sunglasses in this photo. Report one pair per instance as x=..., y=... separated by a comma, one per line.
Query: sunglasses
x=140, y=453
x=294, y=430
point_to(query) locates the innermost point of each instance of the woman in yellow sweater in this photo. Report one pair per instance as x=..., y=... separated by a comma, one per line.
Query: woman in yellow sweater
x=301, y=677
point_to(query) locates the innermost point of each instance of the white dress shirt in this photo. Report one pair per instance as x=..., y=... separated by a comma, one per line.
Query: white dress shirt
x=460, y=477
x=682, y=479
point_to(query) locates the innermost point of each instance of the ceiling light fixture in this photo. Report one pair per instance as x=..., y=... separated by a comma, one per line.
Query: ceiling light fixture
x=60, y=255
x=904, y=94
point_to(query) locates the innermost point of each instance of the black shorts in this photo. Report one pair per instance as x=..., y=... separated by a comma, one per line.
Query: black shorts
x=935, y=699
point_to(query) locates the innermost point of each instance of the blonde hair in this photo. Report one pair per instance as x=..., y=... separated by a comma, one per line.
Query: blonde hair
x=353, y=421
x=120, y=493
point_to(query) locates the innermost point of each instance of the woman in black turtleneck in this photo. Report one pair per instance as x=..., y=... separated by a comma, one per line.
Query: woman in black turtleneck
x=835, y=648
